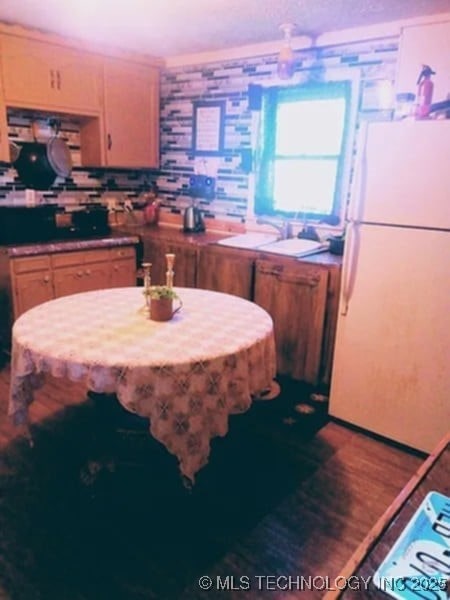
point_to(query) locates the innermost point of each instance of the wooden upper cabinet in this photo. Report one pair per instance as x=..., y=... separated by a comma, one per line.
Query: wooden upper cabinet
x=131, y=114
x=48, y=76
x=4, y=145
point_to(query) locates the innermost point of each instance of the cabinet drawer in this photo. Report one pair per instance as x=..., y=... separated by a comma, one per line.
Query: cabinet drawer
x=30, y=264
x=123, y=252
x=67, y=259
x=96, y=255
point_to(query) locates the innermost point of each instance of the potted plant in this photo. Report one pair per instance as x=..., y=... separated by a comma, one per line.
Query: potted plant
x=161, y=302
x=161, y=291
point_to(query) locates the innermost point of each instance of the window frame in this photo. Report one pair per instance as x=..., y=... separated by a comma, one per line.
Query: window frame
x=265, y=152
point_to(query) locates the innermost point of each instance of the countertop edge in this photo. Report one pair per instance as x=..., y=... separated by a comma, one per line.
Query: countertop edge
x=133, y=236
x=210, y=238
x=70, y=245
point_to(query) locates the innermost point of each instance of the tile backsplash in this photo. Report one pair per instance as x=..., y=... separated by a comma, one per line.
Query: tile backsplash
x=374, y=61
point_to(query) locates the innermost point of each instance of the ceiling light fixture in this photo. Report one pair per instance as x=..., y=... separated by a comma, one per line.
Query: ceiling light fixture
x=286, y=57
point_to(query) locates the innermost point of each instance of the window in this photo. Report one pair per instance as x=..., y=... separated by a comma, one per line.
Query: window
x=302, y=150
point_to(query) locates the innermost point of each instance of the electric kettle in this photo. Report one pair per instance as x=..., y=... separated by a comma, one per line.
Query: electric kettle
x=193, y=220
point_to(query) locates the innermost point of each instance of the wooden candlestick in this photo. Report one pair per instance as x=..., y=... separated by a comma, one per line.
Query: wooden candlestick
x=147, y=284
x=170, y=258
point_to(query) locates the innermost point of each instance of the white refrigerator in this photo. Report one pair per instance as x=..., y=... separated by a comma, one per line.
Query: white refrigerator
x=391, y=368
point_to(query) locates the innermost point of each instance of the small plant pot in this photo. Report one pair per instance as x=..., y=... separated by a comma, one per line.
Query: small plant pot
x=161, y=309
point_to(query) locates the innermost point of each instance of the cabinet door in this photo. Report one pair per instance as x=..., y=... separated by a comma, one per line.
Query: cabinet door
x=154, y=253
x=31, y=282
x=185, y=266
x=428, y=44
x=123, y=266
x=68, y=280
x=4, y=144
x=331, y=314
x=131, y=102
x=27, y=78
x=123, y=273
x=81, y=278
x=40, y=75
x=31, y=289
x=225, y=270
x=78, y=78
x=294, y=294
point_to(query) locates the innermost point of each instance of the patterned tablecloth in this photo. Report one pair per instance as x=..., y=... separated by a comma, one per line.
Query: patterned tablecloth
x=186, y=375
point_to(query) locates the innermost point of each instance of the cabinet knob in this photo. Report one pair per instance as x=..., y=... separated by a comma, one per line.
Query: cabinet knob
x=116, y=268
x=52, y=78
x=58, y=80
x=109, y=141
x=46, y=278
x=79, y=273
x=87, y=272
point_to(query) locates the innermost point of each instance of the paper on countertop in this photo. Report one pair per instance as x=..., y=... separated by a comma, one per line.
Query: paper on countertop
x=249, y=240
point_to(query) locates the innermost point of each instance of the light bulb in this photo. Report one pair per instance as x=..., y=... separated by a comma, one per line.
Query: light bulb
x=286, y=57
x=286, y=63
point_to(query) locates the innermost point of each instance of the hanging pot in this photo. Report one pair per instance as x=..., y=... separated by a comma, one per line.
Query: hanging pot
x=59, y=157
x=38, y=164
x=33, y=167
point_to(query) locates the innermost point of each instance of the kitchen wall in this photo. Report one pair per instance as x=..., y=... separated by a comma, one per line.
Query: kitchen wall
x=373, y=62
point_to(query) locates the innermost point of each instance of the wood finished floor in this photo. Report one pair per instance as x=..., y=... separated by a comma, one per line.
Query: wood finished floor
x=283, y=495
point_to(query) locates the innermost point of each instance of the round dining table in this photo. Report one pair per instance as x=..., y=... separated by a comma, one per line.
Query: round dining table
x=186, y=375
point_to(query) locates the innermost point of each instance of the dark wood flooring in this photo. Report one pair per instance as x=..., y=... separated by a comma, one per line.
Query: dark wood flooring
x=284, y=494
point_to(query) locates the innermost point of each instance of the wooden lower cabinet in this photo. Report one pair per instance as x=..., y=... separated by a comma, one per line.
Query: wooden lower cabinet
x=82, y=278
x=302, y=297
x=331, y=316
x=226, y=270
x=36, y=279
x=185, y=266
x=123, y=272
x=295, y=295
x=31, y=282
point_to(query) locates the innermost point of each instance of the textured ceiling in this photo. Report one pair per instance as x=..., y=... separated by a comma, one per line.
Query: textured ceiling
x=175, y=27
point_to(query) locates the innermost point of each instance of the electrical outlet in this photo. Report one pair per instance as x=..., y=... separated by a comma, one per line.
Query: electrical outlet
x=202, y=186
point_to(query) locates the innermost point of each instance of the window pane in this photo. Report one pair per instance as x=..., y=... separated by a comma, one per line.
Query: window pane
x=304, y=185
x=312, y=127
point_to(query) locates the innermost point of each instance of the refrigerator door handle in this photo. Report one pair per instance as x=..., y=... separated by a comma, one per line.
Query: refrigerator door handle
x=349, y=266
x=355, y=207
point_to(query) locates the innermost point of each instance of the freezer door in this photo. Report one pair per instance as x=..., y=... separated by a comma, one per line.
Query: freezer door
x=403, y=174
x=391, y=370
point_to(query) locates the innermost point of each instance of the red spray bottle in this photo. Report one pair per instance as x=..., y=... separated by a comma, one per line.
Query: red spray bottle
x=424, y=92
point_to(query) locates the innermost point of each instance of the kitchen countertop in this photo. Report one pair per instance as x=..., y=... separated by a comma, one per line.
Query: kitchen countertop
x=124, y=236
x=207, y=238
x=174, y=234
x=53, y=246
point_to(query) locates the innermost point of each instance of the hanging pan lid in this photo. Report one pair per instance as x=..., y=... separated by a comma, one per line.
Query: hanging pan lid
x=59, y=157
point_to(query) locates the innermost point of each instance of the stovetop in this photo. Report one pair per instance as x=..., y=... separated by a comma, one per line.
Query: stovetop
x=72, y=232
